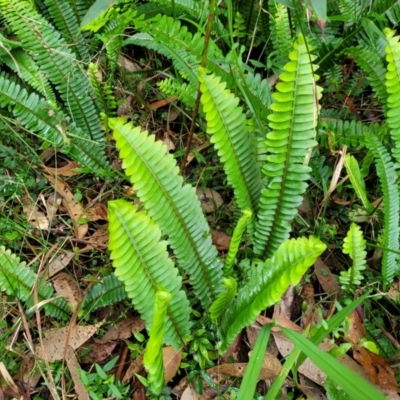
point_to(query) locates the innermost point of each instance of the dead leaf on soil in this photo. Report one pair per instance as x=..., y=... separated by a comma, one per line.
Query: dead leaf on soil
x=74, y=208
x=98, y=241
x=307, y=293
x=97, y=212
x=66, y=170
x=124, y=329
x=190, y=394
x=128, y=65
x=73, y=366
x=135, y=367
x=285, y=306
x=58, y=263
x=66, y=286
x=220, y=239
x=376, y=367
x=35, y=217
x=325, y=278
x=171, y=360
x=310, y=389
x=99, y=352
x=52, y=204
x=168, y=143
x=55, y=340
x=210, y=199
x=356, y=329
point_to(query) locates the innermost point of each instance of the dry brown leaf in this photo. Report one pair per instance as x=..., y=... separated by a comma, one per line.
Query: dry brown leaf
x=52, y=204
x=124, y=329
x=286, y=304
x=97, y=212
x=58, y=263
x=66, y=286
x=310, y=389
x=127, y=64
x=220, y=239
x=376, y=367
x=325, y=277
x=66, y=170
x=7, y=377
x=168, y=143
x=55, y=340
x=74, y=208
x=73, y=366
x=35, y=217
x=210, y=199
x=135, y=366
x=190, y=394
x=99, y=351
x=98, y=241
x=356, y=329
x=171, y=360
x=307, y=293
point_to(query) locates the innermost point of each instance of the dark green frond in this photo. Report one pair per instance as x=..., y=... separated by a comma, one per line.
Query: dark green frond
x=141, y=261
x=186, y=93
x=173, y=205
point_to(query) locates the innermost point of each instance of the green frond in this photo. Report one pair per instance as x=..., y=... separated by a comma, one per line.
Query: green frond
x=141, y=261
x=153, y=355
x=235, y=241
x=268, y=283
x=18, y=280
x=387, y=176
x=354, y=245
x=292, y=122
x=186, y=93
x=226, y=123
x=174, y=206
x=67, y=24
x=56, y=60
x=224, y=299
x=388, y=8
x=79, y=8
x=351, y=10
x=370, y=62
x=29, y=72
x=197, y=9
x=52, y=126
x=150, y=10
x=393, y=88
x=109, y=291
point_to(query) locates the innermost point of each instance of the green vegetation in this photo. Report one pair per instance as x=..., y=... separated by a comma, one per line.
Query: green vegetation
x=116, y=115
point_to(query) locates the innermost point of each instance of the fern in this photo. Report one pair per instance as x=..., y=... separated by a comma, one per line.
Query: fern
x=293, y=123
x=354, y=245
x=268, y=283
x=226, y=124
x=18, y=280
x=387, y=176
x=141, y=261
x=174, y=206
x=186, y=93
x=79, y=8
x=51, y=125
x=109, y=291
x=56, y=60
x=67, y=24
x=224, y=299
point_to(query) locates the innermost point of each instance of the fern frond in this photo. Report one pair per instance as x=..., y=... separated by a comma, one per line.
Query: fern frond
x=109, y=291
x=226, y=123
x=387, y=176
x=393, y=88
x=224, y=299
x=52, y=126
x=293, y=124
x=67, y=24
x=55, y=59
x=79, y=8
x=268, y=283
x=354, y=245
x=29, y=72
x=16, y=279
x=173, y=205
x=194, y=8
x=186, y=93
x=280, y=31
x=141, y=261
x=370, y=62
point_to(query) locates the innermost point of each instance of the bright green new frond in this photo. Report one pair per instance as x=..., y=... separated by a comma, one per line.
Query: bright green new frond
x=16, y=279
x=52, y=126
x=174, y=206
x=354, y=245
x=393, y=88
x=153, y=356
x=56, y=60
x=280, y=31
x=226, y=123
x=224, y=299
x=235, y=241
x=141, y=261
x=292, y=123
x=109, y=291
x=67, y=24
x=268, y=283
x=387, y=175
x=29, y=72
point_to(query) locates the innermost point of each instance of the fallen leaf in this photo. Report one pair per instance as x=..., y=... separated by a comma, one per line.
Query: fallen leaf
x=97, y=212
x=286, y=304
x=325, y=278
x=73, y=366
x=190, y=394
x=220, y=239
x=307, y=293
x=98, y=241
x=171, y=360
x=376, y=367
x=66, y=286
x=310, y=389
x=210, y=199
x=7, y=377
x=135, y=366
x=55, y=340
x=52, y=204
x=74, y=208
x=58, y=263
x=34, y=217
x=124, y=329
x=125, y=108
x=168, y=143
x=99, y=351
x=127, y=64
x=66, y=170
x=356, y=329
